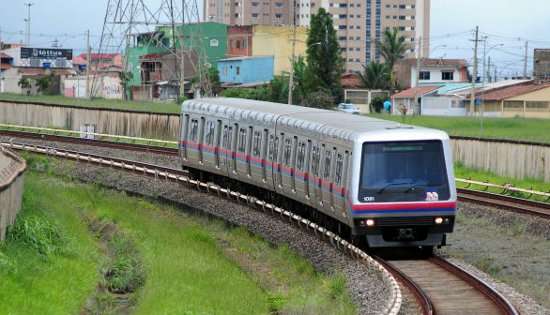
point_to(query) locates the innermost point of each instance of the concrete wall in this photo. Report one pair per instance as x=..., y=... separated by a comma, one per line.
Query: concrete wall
x=504, y=158
x=11, y=189
x=133, y=124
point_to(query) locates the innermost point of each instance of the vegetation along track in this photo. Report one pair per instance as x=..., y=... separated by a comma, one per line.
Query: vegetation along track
x=442, y=288
x=392, y=305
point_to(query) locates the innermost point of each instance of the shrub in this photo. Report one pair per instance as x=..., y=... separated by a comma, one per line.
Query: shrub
x=319, y=99
x=125, y=273
x=38, y=233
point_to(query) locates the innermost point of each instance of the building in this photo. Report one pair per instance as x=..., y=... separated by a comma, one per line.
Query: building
x=432, y=72
x=239, y=41
x=33, y=63
x=152, y=58
x=406, y=100
x=248, y=12
x=359, y=23
x=246, y=71
x=277, y=41
x=528, y=99
x=541, y=64
x=98, y=62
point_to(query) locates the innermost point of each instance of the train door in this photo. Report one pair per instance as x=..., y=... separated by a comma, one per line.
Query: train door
x=233, y=151
x=340, y=181
x=271, y=163
x=184, y=137
x=278, y=170
x=218, y=145
x=265, y=145
x=201, y=141
x=301, y=169
x=192, y=142
x=315, y=181
x=256, y=164
x=327, y=186
x=226, y=158
x=287, y=172
x=241, y=154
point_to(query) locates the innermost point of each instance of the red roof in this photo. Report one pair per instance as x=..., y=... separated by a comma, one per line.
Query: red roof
x=416, y=91
x=3, y=55
x=512, y=91
x=97, y=56
x=351, y=81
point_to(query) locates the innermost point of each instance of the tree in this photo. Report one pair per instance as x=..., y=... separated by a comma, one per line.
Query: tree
x=324, y=63
x=25, y=84
x=44, y=83
x=393, y=47
x=320, y=99
x=376, y=76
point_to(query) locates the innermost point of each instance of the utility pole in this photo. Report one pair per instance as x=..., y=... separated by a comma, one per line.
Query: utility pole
x=182, y=51
x=28, y=20
x=525, y=60
x=484, y=72
x=488, y=73
x=88, y=64
x=495, y=78
x=292, y=59
x=474, y=74
x=416, y=108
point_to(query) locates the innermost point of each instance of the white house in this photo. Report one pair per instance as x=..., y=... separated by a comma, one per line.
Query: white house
x=432, y=72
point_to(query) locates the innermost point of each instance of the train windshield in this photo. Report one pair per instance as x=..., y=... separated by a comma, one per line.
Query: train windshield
x=403, y=171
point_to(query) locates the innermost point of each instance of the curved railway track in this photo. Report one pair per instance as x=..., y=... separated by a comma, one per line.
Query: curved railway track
x=442, y=288
x=432, y=281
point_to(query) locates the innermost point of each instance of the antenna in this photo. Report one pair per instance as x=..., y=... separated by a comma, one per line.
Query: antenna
x=28, y=21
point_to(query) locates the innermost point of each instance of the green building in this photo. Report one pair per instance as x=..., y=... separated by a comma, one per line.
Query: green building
x=208, y=40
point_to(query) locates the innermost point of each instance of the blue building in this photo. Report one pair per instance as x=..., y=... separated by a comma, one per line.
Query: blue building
x=249, y=70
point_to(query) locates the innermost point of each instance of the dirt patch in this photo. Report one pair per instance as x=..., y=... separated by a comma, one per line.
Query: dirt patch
x=121, y=275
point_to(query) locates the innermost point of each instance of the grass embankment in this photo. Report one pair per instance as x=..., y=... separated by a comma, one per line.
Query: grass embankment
x=469, y=173
x=190, y=265
x=155, y=107
x=525, y=129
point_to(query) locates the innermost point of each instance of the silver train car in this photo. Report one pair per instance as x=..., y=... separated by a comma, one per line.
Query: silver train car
x=389, y=183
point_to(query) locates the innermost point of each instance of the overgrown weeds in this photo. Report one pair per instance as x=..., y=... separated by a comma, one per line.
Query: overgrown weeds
x=38, y=233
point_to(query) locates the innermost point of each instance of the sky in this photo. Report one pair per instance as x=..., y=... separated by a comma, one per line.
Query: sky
x=506, y=23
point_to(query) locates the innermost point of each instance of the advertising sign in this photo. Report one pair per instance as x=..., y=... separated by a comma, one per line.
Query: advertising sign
x=46, y=53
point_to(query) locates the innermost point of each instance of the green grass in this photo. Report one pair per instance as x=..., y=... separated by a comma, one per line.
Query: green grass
x=186, y=260
x=155, y=107
x=40, y=273
x=526, y=129
x=469, y=173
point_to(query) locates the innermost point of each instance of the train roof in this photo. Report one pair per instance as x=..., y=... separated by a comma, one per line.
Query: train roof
x=339, y=124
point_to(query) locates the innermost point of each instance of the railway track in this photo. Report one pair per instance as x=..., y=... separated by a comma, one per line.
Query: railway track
x=442, y=288
x=525, y=206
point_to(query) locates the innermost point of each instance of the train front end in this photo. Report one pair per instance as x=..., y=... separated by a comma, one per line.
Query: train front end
x=405, y=192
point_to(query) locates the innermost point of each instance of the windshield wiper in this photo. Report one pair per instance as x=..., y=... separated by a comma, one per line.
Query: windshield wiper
x=381, y=190
x=413, y=187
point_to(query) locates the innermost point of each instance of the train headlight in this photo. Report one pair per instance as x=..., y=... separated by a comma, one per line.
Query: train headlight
x=438, y=220
x=370, y=222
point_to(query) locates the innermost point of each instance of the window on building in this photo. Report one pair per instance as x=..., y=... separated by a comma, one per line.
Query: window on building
x=358, y=5
x=447, y=75
x=342, y=16
x=238, y=44
x=278, y=4
x=255, y=4
x=343, y=5
x=278, y=15
x=238, y=70
x=388, y=6
x=342, y=38
x=351, y=5
x=401, y=28
x=402, y=17
x=254, y=15
x=342, y=27
x=424, y=75
x=402, y=6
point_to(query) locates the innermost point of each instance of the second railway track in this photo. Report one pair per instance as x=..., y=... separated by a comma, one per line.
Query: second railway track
x=443, y=288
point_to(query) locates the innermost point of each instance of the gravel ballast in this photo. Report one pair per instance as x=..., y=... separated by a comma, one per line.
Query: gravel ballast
x=368, y=288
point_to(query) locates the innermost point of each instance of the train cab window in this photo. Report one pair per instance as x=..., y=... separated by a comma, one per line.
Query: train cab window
x=301, y=158
x=242, y=140
x=256, y=143
x=328, y=159
x=339, y=169
x=287, y=153
x=194, y=130
x=210, y=128
x=403, y=171
x=315, y=159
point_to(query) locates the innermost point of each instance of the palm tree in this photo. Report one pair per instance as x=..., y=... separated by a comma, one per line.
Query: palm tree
x=393, y=47
x=376, y=76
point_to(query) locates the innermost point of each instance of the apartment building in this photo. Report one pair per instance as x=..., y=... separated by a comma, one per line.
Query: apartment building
x=359, y=23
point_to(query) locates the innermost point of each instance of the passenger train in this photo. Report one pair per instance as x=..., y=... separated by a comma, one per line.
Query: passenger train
x=389, y=184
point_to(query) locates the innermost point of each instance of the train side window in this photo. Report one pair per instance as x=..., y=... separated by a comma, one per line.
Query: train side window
x=256, y=143
x=194, y=130
x=339, y=168
x=328, y=159
x=287, y=153
x=226, y=135
x=242, y=140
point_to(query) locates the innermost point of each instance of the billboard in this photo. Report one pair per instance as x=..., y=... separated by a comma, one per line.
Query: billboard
x=46, y=53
